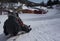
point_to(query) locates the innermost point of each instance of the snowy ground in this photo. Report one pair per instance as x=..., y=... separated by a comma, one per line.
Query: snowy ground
x=44, y=27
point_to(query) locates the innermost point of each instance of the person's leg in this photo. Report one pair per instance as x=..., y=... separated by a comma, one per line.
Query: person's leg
x=26, y=28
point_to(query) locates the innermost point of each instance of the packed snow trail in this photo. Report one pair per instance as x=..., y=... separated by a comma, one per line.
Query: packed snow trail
x=44, y=27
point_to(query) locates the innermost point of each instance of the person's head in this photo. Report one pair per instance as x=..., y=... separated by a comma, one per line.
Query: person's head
x=13, y=13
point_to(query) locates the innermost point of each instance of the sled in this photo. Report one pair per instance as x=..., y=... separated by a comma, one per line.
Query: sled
x=21, y=34
x=13, y=38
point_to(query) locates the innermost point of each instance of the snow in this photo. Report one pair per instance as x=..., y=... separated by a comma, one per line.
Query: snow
x=45, y=27
x=24, y=7
x=29, y=8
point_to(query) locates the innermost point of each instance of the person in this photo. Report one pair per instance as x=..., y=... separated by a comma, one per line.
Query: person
x=11, y=26
x=14, y=24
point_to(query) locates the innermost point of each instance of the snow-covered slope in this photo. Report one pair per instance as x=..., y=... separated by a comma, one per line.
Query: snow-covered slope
x=44, y=27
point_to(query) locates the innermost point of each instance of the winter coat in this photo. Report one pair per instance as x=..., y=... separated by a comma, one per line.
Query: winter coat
x=11, y=25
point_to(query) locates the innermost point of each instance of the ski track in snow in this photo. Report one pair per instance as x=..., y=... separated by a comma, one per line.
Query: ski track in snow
x=44, y=27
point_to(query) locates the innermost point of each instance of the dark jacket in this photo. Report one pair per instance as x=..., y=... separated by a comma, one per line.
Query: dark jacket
x=11, y=25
